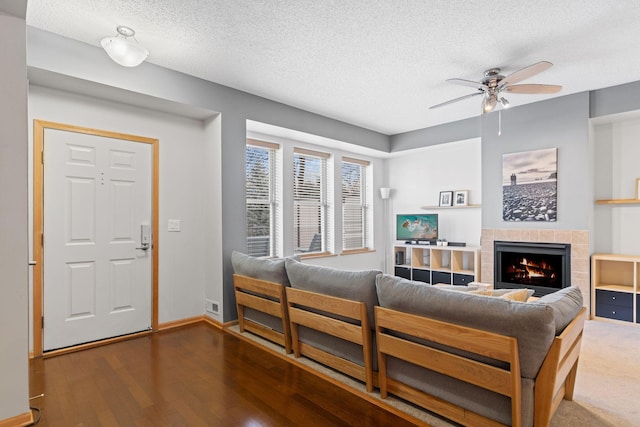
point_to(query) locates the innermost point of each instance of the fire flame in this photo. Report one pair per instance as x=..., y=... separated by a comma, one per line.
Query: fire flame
x=538, y=269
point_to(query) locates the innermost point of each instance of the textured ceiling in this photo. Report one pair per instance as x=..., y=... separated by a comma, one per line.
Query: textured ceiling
x=373, y=63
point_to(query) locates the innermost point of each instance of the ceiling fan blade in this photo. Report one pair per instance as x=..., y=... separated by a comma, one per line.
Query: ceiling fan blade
x=470, y=83
x=525, y=73
x=532, y=88
x=451, y=101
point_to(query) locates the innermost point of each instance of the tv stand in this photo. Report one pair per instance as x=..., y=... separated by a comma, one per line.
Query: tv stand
x=454, y=265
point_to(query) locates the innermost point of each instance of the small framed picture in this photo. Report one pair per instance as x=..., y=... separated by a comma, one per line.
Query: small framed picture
x=446, y=198
x=461, y=198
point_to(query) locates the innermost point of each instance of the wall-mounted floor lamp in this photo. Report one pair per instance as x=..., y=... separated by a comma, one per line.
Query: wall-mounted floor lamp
x=385, y=192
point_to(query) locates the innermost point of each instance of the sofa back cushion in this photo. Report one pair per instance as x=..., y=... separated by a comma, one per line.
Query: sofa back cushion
x=565, y=303
x=352, y=285
x=271, y=270
x=532, y=324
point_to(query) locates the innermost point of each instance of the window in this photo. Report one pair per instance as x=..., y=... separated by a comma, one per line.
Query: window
x=354, y=204
x=262, y=198
x=310, y=206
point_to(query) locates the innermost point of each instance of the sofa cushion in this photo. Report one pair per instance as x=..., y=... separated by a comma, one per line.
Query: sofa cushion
x=532, y=324
x=566, y=303
x=271, y=270
x=352, y=285
x=463, y=394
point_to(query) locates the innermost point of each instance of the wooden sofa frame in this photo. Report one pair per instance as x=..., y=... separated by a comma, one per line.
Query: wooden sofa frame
x=267, y=297
x=557, y=376
x=295, y=307
x=555, y=380
x=303, y=311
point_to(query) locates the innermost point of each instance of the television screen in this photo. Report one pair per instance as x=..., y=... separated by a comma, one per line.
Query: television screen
x=417, y=227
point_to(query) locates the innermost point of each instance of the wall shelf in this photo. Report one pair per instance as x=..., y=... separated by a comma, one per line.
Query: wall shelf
x=430, y=208
x=618, y=202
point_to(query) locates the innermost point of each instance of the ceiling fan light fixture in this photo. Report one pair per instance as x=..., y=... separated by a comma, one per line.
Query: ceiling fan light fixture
x=493, y=84
x=489, y=103
x=124, y=49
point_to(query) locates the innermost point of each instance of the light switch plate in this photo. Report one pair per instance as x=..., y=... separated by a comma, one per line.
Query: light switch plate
x=173, y=225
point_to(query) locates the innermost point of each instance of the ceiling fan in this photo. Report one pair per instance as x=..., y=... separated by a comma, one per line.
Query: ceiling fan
x=493, y=84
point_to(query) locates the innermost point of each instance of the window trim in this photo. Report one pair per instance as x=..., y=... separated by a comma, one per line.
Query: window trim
x=274, y=191
x=365, y=206
x=263, y=144
x=324, y=203
x=313, y=153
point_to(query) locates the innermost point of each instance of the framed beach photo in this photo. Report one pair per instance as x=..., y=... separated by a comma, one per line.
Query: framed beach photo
x=446, y=198
x=529, y=185
x=461, y=198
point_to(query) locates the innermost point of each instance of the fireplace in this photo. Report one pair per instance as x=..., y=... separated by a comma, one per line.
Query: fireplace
x=543, y=267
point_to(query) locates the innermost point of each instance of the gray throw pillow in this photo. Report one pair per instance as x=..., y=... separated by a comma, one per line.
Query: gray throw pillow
x=498, y=293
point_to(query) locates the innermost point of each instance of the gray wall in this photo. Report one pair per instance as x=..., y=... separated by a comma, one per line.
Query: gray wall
x=460, y=130
x=560, y=122
x=563, y=123
x=14, y=270
x=614, y=100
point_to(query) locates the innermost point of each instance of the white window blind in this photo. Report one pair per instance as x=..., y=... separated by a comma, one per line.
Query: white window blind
x=262, y=198
x=310, y=225
x=354, y=204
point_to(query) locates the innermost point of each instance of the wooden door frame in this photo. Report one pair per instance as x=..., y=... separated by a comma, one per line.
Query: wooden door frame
x=39, y=127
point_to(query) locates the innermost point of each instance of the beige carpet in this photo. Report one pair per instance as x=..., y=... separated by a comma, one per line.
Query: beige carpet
x=607, y=392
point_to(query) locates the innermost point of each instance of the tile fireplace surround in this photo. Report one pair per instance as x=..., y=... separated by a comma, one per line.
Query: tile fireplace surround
x=579, y=240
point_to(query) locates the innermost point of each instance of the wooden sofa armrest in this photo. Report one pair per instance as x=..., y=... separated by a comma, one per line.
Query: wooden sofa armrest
x=498, y=347
x=304, y=307
x=556, y=379
x=267, y=297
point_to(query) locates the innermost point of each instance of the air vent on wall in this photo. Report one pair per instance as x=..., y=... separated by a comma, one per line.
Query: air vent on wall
x=212, y=306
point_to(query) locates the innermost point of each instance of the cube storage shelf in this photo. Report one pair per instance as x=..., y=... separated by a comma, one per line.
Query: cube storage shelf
x=615, y=287
x=457, y=265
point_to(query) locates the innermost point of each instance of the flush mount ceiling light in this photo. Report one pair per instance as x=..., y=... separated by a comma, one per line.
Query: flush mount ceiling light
x=124, y=49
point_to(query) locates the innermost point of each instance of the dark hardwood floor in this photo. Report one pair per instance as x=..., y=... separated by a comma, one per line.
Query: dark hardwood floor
x=191, y=376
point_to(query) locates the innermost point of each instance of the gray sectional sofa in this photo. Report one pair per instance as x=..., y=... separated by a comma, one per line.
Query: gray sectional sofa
x=533, y=326
x=475, y=359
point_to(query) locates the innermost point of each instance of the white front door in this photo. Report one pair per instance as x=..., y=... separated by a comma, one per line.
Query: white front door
x=97, y=206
